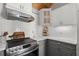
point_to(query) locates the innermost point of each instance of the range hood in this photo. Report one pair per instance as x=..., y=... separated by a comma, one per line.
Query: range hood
x=11, y=14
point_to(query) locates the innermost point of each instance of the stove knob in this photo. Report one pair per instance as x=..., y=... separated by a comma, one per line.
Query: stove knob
x=11, y=51
x=16, y=49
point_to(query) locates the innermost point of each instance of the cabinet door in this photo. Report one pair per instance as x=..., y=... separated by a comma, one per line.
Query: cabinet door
x=45, y=17
x=56, y=48
x=68, y=49
x=67, y=52
x=52, y=48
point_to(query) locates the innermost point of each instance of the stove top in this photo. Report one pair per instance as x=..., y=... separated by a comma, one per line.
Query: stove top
x=12, y=43
x=19, y=47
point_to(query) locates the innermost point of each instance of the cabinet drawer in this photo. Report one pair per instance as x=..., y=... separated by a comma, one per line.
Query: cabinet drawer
x=53, y=42
x=63, y=44
x=69, y=46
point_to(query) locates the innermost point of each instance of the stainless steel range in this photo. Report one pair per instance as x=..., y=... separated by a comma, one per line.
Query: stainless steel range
x=27, y=47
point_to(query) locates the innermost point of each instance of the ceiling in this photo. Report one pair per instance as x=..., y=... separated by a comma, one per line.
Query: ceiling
x=58, y=5
x=39, y=6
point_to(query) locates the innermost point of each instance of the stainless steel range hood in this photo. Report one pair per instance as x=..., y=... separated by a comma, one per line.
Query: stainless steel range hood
x=11, y=14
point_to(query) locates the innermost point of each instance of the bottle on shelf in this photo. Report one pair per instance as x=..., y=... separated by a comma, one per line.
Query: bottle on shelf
x=45, y=30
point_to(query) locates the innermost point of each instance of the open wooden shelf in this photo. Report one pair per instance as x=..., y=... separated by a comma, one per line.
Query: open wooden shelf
x=39, y=6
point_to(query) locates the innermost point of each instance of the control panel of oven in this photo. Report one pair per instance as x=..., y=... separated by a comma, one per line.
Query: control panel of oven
x=20, y=49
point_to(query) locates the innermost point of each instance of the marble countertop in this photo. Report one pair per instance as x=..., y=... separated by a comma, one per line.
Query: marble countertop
x=72, y=40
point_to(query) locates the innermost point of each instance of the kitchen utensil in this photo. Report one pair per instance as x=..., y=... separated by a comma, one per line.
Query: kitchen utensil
x=18, y=36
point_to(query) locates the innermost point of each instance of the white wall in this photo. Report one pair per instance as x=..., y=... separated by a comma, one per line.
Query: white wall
x=10, y=26
x=66, y=14
x=77, y=50
x=5, y=25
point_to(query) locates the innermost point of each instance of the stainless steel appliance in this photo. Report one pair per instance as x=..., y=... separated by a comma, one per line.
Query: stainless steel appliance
x=27, y=47
x=11, y=14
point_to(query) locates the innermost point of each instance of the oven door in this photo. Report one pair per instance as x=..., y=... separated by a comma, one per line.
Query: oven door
x=32, y=52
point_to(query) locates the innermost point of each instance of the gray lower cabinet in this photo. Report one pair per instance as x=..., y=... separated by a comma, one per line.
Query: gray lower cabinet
x=52, y=51
x=67, y=52
x=56, y=48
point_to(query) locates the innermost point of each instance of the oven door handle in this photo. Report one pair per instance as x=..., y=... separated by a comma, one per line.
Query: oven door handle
x=28, y=52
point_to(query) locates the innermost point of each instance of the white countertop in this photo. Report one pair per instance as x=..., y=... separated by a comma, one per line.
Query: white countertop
x=72, y=40
x=69, y=37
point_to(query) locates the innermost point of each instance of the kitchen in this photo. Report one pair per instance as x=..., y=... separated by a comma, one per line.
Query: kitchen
x=41, y=29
